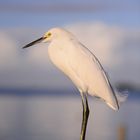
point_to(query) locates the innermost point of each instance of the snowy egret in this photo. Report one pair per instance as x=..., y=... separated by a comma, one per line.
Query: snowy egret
x=82, y=67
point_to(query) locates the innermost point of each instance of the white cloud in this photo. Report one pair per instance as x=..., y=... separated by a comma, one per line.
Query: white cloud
x=8, y=52
x=27, y=68
x=116, y=47
x=99, y=38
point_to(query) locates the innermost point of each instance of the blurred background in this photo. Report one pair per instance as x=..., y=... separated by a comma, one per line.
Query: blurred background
x=37, y=102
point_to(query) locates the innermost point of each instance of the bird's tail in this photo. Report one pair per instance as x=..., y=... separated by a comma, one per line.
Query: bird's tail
x=121, y=97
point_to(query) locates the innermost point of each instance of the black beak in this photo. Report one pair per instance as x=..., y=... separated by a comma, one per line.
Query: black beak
x=34, y=42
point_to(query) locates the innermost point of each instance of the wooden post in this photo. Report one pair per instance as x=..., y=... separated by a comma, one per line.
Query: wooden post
x=122, y=132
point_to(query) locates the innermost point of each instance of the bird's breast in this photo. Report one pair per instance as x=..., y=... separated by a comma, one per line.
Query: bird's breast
x=66, y=57
x=60, y=54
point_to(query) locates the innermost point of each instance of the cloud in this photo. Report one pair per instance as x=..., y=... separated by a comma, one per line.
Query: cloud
x=8, y=52
x=116, y=47
x=29, y=68
x=99, y=38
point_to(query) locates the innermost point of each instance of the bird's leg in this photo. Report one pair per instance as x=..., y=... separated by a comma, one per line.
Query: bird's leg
x=85, y=116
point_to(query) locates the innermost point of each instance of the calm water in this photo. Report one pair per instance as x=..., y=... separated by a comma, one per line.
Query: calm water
x=59, y=118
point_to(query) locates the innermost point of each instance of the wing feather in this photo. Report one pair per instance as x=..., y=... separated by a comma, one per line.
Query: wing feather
x=106, y=78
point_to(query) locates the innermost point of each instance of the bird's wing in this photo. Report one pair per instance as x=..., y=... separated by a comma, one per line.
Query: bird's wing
x=109, y=97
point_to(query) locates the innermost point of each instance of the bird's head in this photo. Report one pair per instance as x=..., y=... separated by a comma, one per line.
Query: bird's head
x=54, y=33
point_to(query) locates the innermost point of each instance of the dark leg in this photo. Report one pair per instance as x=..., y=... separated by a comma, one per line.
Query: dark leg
x=85, y=116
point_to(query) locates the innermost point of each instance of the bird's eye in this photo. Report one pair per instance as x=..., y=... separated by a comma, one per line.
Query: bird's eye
x=49, y=34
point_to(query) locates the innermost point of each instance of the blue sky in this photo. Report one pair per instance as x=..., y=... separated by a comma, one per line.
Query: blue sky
x=124, y=13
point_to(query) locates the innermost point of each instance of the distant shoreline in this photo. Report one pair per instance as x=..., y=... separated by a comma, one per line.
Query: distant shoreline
x=34, y=91
x=19, y=92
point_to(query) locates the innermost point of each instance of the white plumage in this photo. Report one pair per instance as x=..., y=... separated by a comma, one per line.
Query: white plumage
x=79, y=64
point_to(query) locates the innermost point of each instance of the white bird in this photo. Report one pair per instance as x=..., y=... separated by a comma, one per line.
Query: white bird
x=81, y=66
